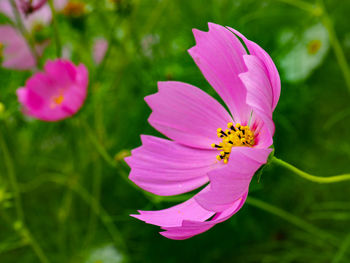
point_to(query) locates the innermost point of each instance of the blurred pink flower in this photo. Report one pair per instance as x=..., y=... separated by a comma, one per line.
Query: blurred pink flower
x=250, y=87
x=40, y=17
x=99, y=49
x=55, y=94
x=15, y=53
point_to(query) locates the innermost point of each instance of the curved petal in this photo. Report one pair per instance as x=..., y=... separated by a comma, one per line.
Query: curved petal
x=174, y=216
x=229, y=183
x=259, y=91
x=165, y=167
x=270, y=67
x=190, y=228
x=219, y=55
x=186, y=114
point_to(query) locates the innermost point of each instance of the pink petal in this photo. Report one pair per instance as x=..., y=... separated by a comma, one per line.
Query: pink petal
x=190, y=228
x=174, y=216
x=219, y=55
x=270, y=67
x=99, y=49
x=165, y=167
x=259, y=91
x=229, y=183
x=16, y=54
x=186, y=114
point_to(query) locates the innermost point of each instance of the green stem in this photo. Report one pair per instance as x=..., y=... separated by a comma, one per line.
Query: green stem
x=313, y=178
x=24, y=231
x=100, y=149
x=98, y=210
x=337, y=48
x=292, y=219
x=300, y=4
x=55, y=29
x=23, y=30
x=342, y=250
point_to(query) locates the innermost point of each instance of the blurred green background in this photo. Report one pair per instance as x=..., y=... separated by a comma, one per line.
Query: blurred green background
x=72, y=182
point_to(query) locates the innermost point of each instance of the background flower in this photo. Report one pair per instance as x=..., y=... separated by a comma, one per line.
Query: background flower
x=57, y=93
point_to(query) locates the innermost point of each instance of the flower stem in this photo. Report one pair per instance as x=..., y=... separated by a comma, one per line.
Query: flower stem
x=292, y=219
x=313, y=178
x=23, y=30
x=342, y=250
x=23, y=230
x=55, y=29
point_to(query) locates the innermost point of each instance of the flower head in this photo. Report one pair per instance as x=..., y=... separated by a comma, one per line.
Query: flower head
x=195, y=123
x=55, y=94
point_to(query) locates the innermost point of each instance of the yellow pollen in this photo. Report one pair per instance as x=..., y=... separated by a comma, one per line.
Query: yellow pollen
x=313, y=46
x=57, y=100
x=235, y=135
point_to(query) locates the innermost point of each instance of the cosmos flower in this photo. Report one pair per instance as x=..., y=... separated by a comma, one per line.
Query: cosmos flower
x=99, y=49
x=16, y=52
x=208, y=146
x=55, y=94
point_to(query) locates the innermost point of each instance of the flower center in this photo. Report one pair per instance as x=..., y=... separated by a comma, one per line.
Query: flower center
x=57, y=100
x=74, y=9
x=235, y=135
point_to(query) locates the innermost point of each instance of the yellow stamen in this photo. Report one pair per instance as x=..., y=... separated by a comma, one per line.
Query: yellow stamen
x=57, y=100
x=235, y=135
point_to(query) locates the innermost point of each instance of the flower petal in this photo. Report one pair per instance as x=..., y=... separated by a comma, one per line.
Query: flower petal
x=218, y=53
x=189, y=228
x=165, y=167
x=186, y=114
x=259, y=91
x=229, y=183
x=174, y=216
x=270, y=67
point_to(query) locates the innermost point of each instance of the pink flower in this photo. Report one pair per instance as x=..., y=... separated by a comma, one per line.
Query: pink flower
x=99, y=49
x=55, y=94
x=249, y=84
x=14, y=50
x=40, y=17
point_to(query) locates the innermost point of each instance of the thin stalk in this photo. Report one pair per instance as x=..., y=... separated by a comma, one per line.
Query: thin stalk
x=291, y=218
x=300, y=4
x=98, y=146
x=55, y=29
x=342, y=250
x=337, y=48
x=98, y=209
x=23, y=30
x=23, y=230
x=313, y=178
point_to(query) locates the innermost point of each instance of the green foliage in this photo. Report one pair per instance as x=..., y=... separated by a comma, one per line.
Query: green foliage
x=76, y=198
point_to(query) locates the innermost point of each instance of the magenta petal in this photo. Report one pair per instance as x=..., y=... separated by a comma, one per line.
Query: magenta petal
x=165, y=167
x=259, y=92
x=186, y=114
x=229, y=183
x=271, y=69
x=219, y=55
x=190, y=228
